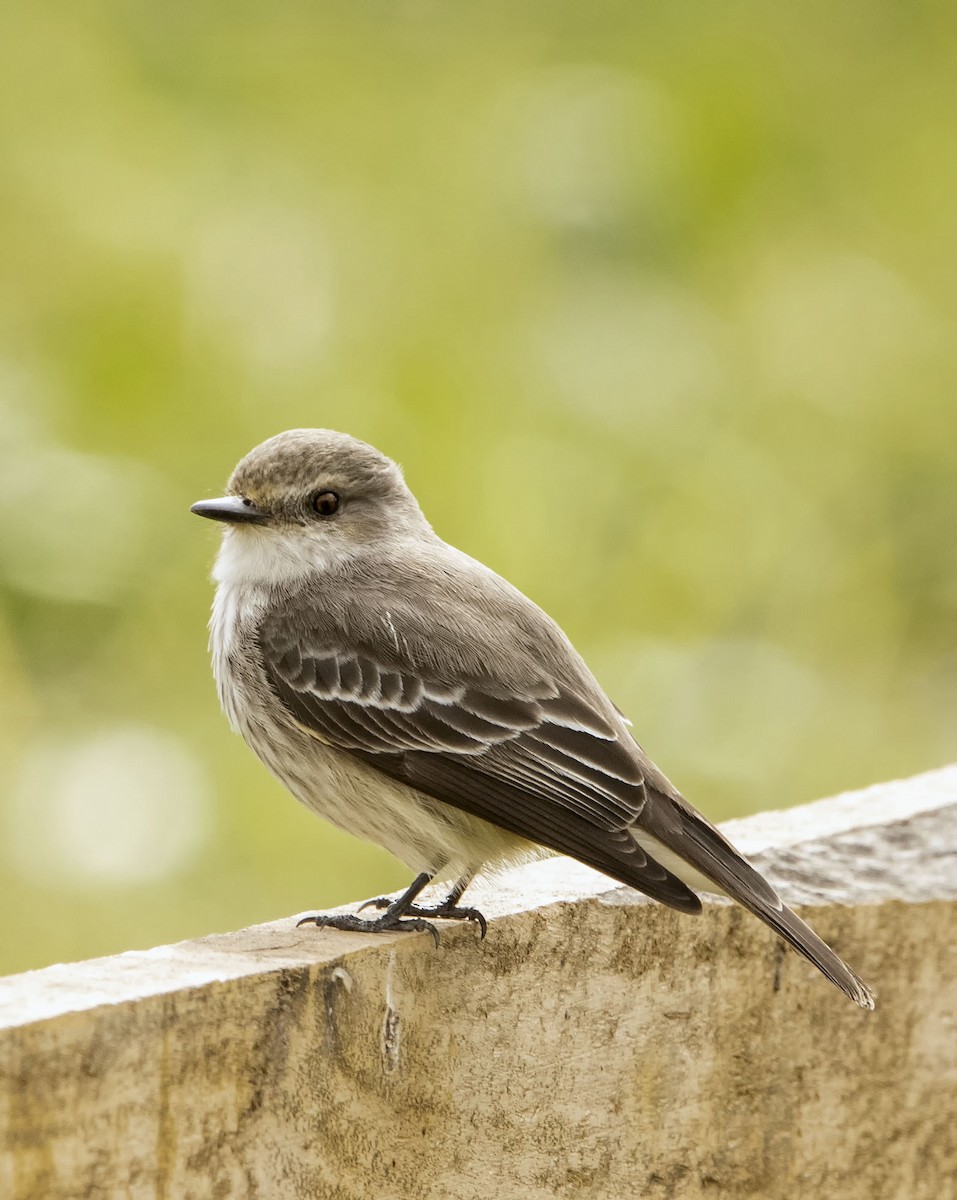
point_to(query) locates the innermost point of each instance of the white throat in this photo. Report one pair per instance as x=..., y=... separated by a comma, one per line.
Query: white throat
x=250, y=566
x=256, y=558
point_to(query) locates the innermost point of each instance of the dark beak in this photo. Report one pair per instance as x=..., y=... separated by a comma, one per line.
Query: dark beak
x=234, y=510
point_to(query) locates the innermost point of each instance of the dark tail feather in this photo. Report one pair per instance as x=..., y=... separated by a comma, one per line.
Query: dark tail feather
x=689, y=835
x=803, y=938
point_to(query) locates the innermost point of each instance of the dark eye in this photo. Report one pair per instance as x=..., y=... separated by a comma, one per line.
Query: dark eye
x=325, y=503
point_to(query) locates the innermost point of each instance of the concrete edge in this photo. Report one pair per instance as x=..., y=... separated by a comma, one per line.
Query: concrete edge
x=791, y=839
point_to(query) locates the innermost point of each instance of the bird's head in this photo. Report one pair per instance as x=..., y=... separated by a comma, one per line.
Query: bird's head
x=306, y=500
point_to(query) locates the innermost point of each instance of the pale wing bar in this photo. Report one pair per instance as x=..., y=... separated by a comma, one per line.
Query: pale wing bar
x=562, y=743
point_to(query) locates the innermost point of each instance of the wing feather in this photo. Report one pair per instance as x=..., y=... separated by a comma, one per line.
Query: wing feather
x=539, y=761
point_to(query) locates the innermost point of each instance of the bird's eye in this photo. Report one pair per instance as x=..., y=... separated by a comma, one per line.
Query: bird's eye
x=325, y=503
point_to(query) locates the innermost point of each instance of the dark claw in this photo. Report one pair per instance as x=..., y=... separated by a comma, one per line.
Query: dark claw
x=444, y=912
x=451, y=912
x=475, y=915
x=424, y=926
x=386, y=924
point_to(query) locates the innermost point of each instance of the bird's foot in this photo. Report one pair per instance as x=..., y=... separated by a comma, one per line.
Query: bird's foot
x=387, y=923
x=446, y=911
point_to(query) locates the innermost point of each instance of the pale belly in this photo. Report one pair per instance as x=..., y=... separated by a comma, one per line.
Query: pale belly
x=424, y=833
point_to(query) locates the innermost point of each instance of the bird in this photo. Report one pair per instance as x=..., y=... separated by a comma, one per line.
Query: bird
x=413, y=697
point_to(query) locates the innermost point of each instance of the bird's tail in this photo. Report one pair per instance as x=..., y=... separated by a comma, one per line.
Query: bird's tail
x=802, y=937
x=689, y=836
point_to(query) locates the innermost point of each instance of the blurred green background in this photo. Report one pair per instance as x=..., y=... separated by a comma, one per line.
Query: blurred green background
x=655, y=304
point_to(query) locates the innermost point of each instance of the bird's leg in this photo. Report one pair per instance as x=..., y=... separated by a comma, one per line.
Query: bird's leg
x=399, y=916
x=448, y=910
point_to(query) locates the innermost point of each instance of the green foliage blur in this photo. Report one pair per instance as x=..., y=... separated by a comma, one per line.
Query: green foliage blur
x=655, y=304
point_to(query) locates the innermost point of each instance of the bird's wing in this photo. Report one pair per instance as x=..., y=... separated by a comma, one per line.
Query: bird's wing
x=544, y=759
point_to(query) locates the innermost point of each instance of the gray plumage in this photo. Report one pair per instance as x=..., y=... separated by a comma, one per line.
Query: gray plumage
x=414, y=698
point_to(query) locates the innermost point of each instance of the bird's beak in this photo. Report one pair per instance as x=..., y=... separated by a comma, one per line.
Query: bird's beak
x=234, y=510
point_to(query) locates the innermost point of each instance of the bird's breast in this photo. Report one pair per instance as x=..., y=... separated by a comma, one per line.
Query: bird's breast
x=236, y=614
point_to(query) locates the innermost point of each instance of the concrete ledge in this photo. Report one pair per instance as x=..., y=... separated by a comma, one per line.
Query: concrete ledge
x=596, y=1045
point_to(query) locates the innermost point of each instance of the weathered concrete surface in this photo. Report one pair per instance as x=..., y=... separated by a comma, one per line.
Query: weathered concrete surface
x=596, y=1045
